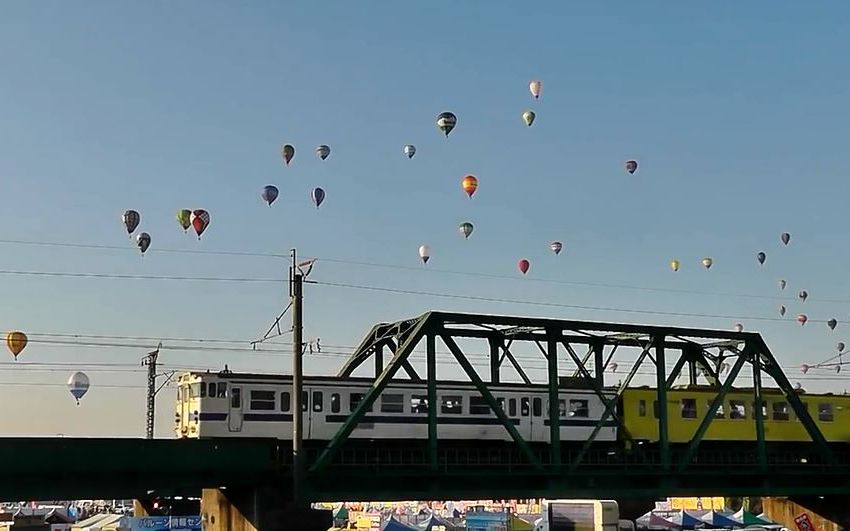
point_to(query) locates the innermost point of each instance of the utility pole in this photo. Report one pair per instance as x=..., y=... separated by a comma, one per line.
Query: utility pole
x=296, y=298
x=150, y=361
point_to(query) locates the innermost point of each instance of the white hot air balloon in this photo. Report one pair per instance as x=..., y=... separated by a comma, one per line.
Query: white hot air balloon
x=536, y=88
x=78, y=385
x=425, y=253
x=410, y=150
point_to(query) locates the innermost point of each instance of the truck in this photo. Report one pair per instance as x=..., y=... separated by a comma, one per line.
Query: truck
x=581, y=515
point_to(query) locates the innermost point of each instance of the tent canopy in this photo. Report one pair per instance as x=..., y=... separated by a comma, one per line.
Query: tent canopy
x=436, y=521
x=747, y=518
x=718, y=519
x=394, y=525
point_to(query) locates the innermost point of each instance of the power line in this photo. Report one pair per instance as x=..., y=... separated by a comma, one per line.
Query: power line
x=551, y=304
x=420, y=270
x=116, y=276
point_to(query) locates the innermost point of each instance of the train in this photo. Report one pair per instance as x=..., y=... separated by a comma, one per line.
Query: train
x=229, y=404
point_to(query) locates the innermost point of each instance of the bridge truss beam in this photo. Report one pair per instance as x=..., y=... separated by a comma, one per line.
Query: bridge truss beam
x=716, y=356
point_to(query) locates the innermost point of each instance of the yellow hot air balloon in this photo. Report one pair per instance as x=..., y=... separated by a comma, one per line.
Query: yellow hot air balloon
x=469, y=184
x=707, y=262
x=16, y=341
x=674, y=265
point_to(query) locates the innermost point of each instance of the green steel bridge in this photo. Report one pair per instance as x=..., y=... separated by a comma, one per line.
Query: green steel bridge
x=351, y=469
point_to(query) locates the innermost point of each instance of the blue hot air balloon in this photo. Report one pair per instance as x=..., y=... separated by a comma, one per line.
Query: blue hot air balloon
x=318, y=196
x=269, y=194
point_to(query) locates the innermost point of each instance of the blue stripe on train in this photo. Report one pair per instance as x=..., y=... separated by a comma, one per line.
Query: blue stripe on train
x=418, y=419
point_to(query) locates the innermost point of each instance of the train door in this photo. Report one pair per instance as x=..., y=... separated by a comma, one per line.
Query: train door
x=532, y=409
x=316, y=413
x=185, y=408
x=234, y=417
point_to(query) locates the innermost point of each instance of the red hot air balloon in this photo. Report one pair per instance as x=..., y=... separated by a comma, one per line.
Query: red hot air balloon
x=523, y=265
x=631, y=166
x=200, y=221
x=802, y=319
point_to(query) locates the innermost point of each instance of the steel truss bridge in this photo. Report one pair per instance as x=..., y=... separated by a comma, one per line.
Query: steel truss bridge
x=352, y=469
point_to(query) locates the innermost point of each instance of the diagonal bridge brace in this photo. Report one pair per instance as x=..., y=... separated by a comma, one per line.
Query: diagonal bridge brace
x=378, y=386
x=609, y=407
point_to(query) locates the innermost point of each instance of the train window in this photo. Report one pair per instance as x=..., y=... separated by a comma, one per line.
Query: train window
x=194, y=390
x=537, y=406
x=304, y=400
x=737, y=410
x=562, y=408
x=763, y=410
x=524, y=407
x=578, y=408
x=452, y=405
x=236, y=398
x=825, y=412
x=478, y=406
x=355, y=399
x=512, y=407
x=335, y=403
x=262, y=400
x=222, y=389
x=318, y=401
x=203, y=390
x=501, y=402
x=780, y=411
x=719, y=414
x=285, y=403
x=655, y=408
x=213, y=391
x=641, y=408
x=689, y=408
x=180, y=393
x=391, y=403
x=419, y=404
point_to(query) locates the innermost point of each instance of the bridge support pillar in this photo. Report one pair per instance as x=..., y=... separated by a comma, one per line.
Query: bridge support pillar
x=258, y=509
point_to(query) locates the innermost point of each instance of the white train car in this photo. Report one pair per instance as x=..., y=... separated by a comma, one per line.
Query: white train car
x=225, y=404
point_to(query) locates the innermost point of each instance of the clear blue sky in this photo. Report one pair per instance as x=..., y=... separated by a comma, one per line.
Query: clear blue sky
x=737, y=114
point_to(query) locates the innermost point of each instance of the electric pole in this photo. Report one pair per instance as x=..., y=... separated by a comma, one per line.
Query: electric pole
x=150, y=361
x=296, y=296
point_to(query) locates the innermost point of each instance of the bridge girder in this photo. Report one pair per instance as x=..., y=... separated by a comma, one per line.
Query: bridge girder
x=707, y=353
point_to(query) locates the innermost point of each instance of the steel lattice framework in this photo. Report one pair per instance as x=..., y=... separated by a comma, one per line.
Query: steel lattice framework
x=588, y=348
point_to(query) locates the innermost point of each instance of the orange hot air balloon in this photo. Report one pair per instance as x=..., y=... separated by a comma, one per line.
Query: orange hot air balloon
x=16, y=341
x=469, y=184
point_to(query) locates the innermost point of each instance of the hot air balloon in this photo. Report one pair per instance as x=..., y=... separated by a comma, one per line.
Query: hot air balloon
x=556, y=247
x=528, y=117
x=802, y=318
x=318, y=196
x=724, y=367
x=803, y=295
x=804, y=368
x=16, y=341
x=707, y=262
x=832, y=323
x=184, y=218
x=613, y=366
x=78, y=385
x=469, y=185
x=782, y=310
x=131, y=220
x=200, y=221
x=288, y=152
x=785, y=237
x=323, y=151
x=838, y=368
x=631, y=166
x=523, y=265
x=840, y=346
x=143, y=241
x=798, y=386
x=761, y=257
x=410, y=150
x=466, y=229
x=446, y=121
x=674, y=265
x=536, y=88
x=739, y=327
x=269, y=194
x=424, y=253
x=782, y=284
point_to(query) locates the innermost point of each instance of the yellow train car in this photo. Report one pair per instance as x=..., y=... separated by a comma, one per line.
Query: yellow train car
x=735, y=418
